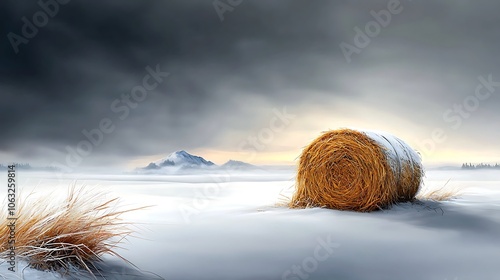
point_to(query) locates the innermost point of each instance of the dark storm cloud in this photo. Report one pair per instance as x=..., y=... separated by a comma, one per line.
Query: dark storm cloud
x=283, y=52
x=64, y=79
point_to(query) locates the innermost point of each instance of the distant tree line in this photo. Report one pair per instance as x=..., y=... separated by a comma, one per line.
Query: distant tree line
x=480, y=166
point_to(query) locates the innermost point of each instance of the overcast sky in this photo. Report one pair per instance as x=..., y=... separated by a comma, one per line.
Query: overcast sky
x=255, y=81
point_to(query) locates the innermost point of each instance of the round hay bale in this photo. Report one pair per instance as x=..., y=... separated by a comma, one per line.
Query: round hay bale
x=363, y=171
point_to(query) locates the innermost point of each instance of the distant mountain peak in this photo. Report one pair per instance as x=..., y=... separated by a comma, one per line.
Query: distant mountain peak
x=182, y=152
x=181, y=159
x=232, y=161
x=236, y=164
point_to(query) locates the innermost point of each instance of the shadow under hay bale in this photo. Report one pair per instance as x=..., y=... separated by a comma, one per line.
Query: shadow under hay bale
x=354, y=170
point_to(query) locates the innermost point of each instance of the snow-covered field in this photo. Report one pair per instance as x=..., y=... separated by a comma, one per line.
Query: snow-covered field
x=230, y=226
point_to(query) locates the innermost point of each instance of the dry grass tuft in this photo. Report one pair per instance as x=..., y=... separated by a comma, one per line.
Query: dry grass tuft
x=347, y=170
x=439, y=195
x=442, y=194
x=75, y=233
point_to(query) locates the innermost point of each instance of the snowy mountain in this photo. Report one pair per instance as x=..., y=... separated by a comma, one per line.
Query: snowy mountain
x=180, y=159
x=237, y=165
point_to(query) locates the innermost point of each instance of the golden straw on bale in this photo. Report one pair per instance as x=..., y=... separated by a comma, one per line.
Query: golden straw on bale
x=347, y=169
